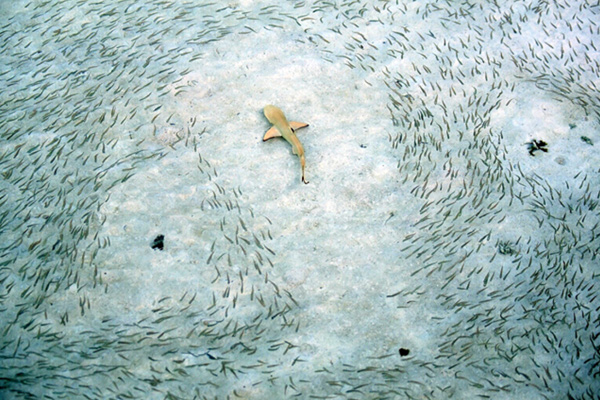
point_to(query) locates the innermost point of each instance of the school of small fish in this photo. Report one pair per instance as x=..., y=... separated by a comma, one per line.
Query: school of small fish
x=91, y=111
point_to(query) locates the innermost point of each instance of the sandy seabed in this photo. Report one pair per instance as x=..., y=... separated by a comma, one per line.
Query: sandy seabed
x=446, y=246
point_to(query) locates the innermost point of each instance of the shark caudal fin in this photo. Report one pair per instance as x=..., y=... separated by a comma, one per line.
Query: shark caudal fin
x=302, y=164
x=303, y=178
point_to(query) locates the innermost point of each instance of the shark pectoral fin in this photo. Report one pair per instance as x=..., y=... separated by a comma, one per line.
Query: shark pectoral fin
x=271, y=133
x=298, y=125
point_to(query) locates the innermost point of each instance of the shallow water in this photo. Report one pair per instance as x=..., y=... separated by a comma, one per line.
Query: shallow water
x=441, y=250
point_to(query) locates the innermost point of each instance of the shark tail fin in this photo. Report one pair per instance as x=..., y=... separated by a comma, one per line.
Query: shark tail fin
x=271, y=133
x=302, y=165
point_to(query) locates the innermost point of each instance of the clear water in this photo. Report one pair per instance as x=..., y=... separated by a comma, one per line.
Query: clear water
x=445, y=247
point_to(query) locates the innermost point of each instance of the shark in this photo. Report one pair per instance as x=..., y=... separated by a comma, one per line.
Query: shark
x=282, y=128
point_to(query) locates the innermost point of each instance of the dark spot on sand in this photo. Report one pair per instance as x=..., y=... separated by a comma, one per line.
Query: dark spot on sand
x=158, y=242
x=536, y=145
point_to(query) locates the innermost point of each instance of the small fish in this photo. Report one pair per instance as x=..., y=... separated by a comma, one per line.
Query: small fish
x=282, y=128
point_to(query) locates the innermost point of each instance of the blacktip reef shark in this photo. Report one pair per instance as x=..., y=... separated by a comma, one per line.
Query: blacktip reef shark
x=282, y=128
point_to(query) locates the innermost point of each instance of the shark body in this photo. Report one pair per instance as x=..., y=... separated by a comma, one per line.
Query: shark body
x=282, y=128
